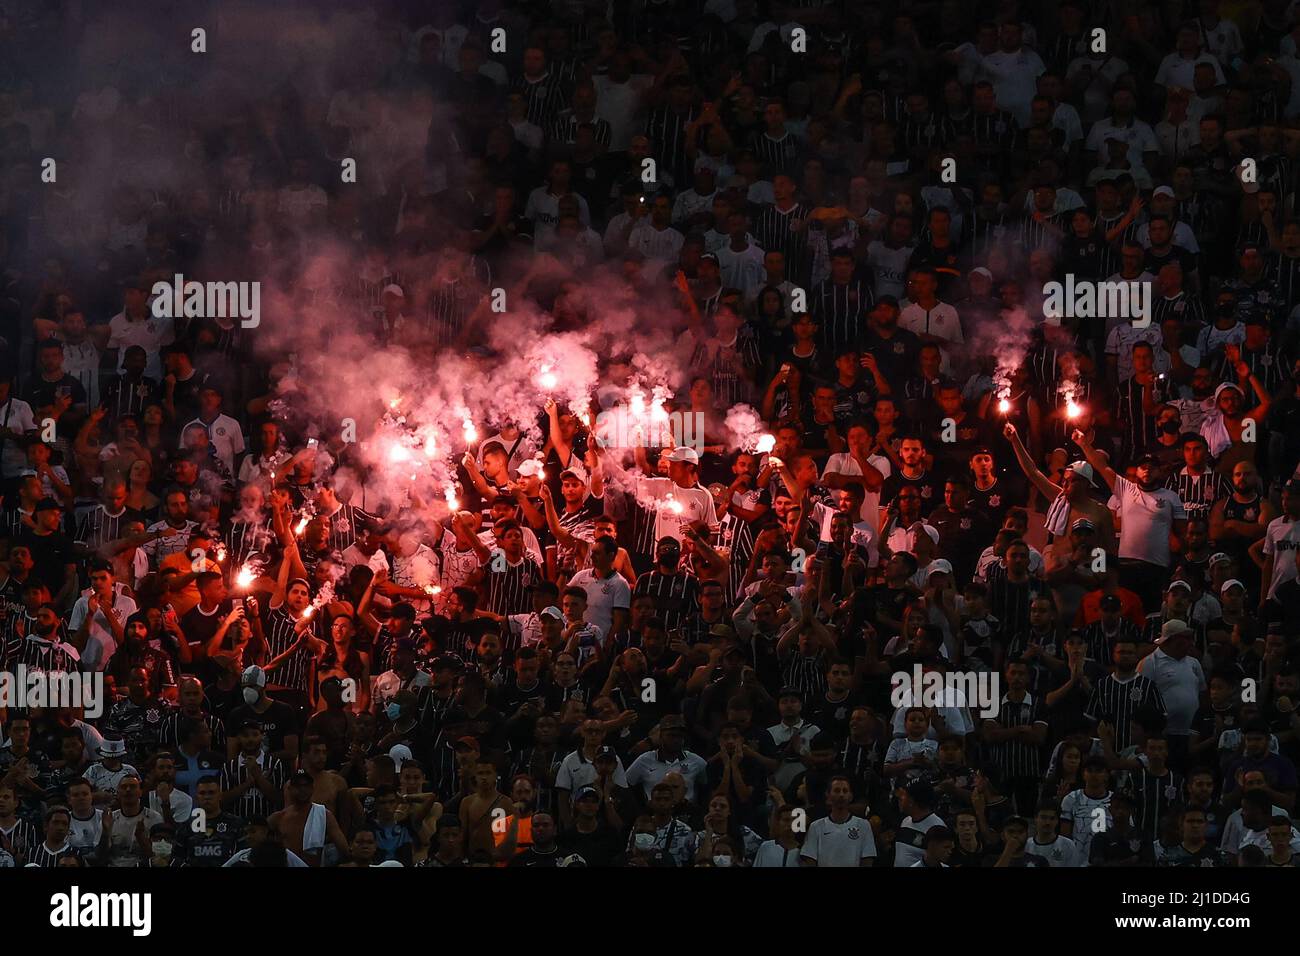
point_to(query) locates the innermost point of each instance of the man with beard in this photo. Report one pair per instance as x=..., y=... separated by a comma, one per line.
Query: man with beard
x=675, y=591
x=1225, y=425
x=1239, y=521
x=1152, y=522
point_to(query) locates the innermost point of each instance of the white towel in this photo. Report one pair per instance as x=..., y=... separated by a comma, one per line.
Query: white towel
x=313, y=832
x=1215, y=433
x=1058, y=516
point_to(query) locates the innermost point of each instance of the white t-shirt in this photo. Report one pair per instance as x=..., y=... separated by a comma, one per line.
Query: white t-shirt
x=909, y=841
x=842, y=463
x=150, y=333
x=1146, y=518
x=696, y=505
x=1080, y=809
x=576, y=771
x=1120, y=342
x=661, y=245
x=888, y=268
x=618, y=104
x=17, y=416
x=940, y=321
x=1281, y=541
x=742, y=270
x=839, y=844
x=604, y=596
x=1062, y=852
x=1015, y=80
x=100, y=643
x=226, y=437
x=1181, y=683
x=1140, y=137
x=1177, y=70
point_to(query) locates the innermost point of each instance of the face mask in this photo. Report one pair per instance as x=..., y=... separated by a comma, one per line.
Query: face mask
x=644, y=841
x=722, y=861
x=393, y=711
x=1171, y=428
x=162, y=848
x=251, y=696
x=669, y=559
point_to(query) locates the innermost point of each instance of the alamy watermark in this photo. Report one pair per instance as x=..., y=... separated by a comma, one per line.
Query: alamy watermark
x=208, y=300
x=626, y=426
x=980, y=691
x=26, y=687
x=90, y=910
x=1086, y=299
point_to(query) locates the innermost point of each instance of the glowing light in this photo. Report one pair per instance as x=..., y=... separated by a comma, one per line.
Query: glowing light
x=308, y=611
x=547, y=378
x=221, y=553
x=245, y=577
x=452, y=501
x=301, y=526
x=392, y=405
x=430, y=446
x=1072, y=409
x=765, y=444
x=637, y=404
x=471, y=433
x=398, y=454
x=432, y=590
x=675, y=506
x=1004, y=406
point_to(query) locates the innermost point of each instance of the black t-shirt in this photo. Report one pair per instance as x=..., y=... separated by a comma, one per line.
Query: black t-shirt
x=211, y=846
x=996, y=500
x=41, y=393
x=277, y=721
x=833, y=716
x=929, y=483
x=601, y=847
x=532, y=858
x=51, y=553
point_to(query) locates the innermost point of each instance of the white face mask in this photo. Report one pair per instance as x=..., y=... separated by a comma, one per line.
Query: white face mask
x=644, y=841
x=162, y=848
x=251, y=696
x=722, y=861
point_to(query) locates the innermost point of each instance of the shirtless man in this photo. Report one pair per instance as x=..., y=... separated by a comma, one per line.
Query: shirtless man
x=1076, y=482
x=485, y=828
x=291, y=822
x=328, y=787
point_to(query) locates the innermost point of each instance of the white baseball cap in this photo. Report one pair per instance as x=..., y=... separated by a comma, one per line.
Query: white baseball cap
x=682, y=453
x=938, y=566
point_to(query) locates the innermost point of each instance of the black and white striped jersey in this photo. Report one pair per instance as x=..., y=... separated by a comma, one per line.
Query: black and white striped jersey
x=1116, y=701
x=676, y=596
x=1016, y=759
x=507, y=584
x=96, y=527
x=1199, y=492
x=295, y=672
x=253, y=802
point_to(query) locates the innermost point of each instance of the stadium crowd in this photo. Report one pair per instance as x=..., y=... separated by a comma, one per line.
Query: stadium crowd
x=853, y=214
